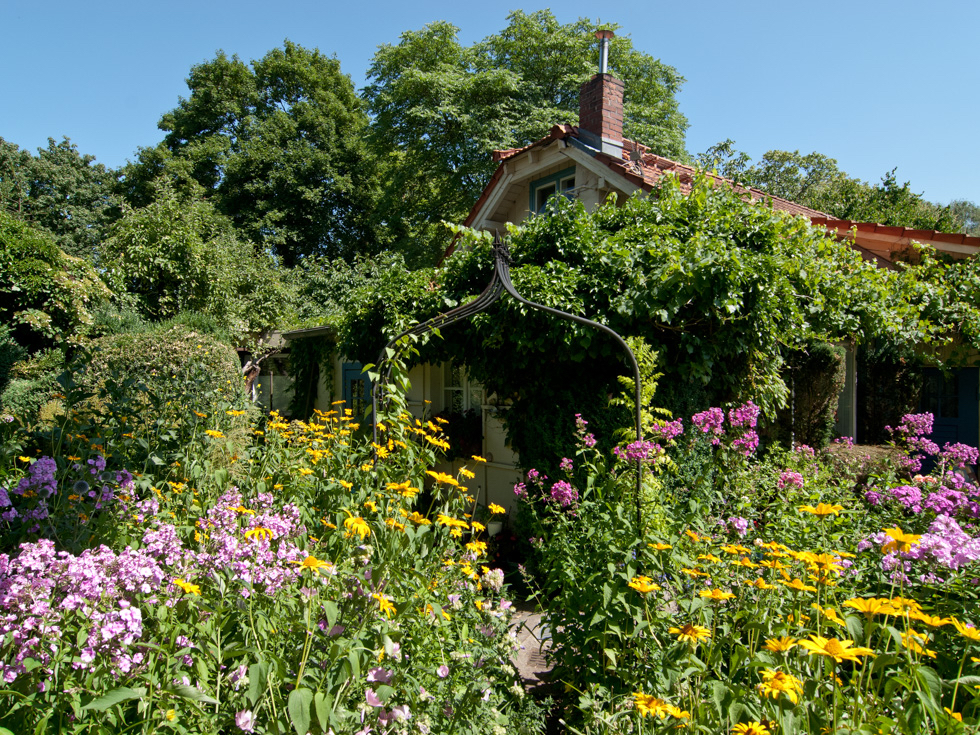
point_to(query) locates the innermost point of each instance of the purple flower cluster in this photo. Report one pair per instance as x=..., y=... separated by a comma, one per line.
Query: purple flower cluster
x=587, y=440
x=946, y=544
x=788, y=478
x=909, y=496
x=563, y=494
x=739, y=525
x=668, y=430
x=710, y=422
x=40, y=478
x=43, y=592
x=959, y=455
x=639, y=451
x=566, y=465
x=746, y=415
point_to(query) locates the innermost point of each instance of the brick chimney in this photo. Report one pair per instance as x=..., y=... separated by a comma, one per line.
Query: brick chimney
x=600, y=103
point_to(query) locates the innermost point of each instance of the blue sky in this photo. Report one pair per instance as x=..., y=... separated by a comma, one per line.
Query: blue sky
x=876, y=85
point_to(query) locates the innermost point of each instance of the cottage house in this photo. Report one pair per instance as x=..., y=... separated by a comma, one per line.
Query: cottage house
x=591, y=162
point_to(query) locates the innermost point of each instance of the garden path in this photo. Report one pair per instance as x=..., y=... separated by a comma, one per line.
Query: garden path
x=534, y=639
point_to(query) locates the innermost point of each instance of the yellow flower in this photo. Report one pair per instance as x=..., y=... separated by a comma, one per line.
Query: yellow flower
x=955, y=715
x=442, y=477
x=708, y=557
x=835, y=649
x=170, y=715
x=735, y=549
x=967, y=631
x=716, y=594
x=453, y=523
x=898, y=540
x=871, y=606
x=466, y=473
x=495, y=509
x=200, y=415
x=644, y=585
x=829, y=613
x=477, y=459
x=677, y=712
x=647, y=704
x=344, y=484
x=214, y=434
x=371, y=506
x=242, y=510
x=780, y=645
x=305, y=471
x=392, y=523
x=751, y=728
x=189, y=589
x=384, y=604
x=691, y=632
x=478, y=527
x=315, y=565
x=477, y=547
x=259, y=533
x=660, y=547
x=694, y=537
x=913, y=640
x=797, y=584
x=356, y=524
x=418, y=519
x=822, y=509
x=695, y=573
x=776, y=683
x=933, y=621
x=235, y=413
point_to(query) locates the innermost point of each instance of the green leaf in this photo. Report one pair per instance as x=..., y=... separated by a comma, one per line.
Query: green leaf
x=299, y=709
x=190, y=693
x=611, y=655
x=114, y=697
x=258, y=677
x=322, y=704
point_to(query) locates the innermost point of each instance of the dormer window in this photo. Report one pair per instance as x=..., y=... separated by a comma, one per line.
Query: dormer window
x=543, y=189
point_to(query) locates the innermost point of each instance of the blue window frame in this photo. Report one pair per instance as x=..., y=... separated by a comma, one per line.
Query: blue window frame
x=543, y=189
x=356, y=389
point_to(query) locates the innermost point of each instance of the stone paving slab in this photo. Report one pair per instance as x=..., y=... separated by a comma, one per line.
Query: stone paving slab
x=534, y=639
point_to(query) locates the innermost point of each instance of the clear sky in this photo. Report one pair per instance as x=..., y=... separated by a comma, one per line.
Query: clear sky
x=876, y=85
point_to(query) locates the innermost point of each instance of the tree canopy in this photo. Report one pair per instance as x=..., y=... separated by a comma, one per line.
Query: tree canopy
x=440, y=108
x=61, y=191
x=278, y=147
x=815, y=180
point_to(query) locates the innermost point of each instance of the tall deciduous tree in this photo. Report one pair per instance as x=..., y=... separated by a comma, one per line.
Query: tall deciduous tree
x=440, y=108
x=61, y=191
x=816, y=181
x=278, y=147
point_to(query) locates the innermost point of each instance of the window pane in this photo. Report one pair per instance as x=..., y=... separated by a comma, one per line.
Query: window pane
x=951, y=397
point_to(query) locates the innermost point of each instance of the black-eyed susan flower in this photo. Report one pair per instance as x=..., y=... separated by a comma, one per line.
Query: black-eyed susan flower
x=644, y=585
x=821, y=509
x=187, y=587
x=776, y=684
x=716, y=594
x=836, y=649
x=780, y=645
x=898, y=540
x=691, y=632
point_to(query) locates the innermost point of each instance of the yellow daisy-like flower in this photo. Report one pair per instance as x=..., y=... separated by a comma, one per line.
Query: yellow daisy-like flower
x=465, y=473
x=477, y=547
x=371, y=506
x=871, y=606
x=356, y=524
x=477, y=459
x=647, y=704
x=454, y=523
x=933, y=621
x=955, y=715
x=496, y=509
x=760, y=584
x=776, y=684
x=708, y=557
x=392, y=523
x=821, y=509
x=644, y=585
x=695, y=537
x=716, y=594
x=695, y=573
x=314, y=564
x=660, y=547
x=836, y=649
x=235, y=413
x=780, y=645
x=967, y=631
x=913, y=641
x=751, y=728
x=187, y=587
x=691, y=632
x=830, y=614
x=259, y=533
x=898, y=540
x=798, y=585
x=305, y=471
x=384, y=604
x=443, y=478
x=677, y=712
x=478, y=527
x=200, y=415
x=418, y=519
x=214, y=434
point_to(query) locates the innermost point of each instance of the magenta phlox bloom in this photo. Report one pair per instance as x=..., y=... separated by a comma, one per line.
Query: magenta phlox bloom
x=788, y=478
x=563, y=494
x=909, y=496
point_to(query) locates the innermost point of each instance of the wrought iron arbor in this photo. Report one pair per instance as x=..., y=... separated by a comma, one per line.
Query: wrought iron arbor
x=500, y=284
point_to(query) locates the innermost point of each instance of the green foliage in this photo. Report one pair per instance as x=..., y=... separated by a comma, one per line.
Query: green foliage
x=177, y=254
x=32, y=386
x=816, y=376
x=10, y=353
x=440, y=108
x=62, y=192
x=161, y=370
x=814, y=180
x=967, y=215
x=286, y=570
x=277, y=145
x=46, y=296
